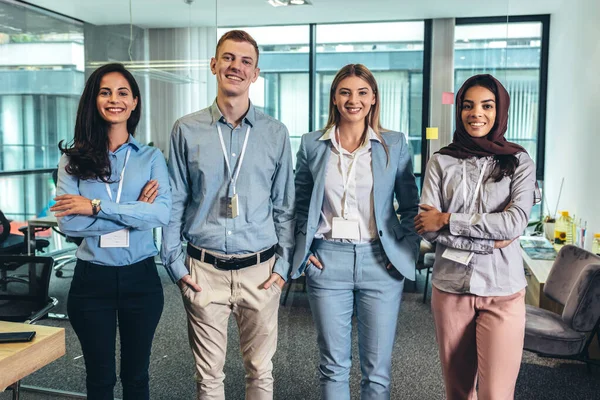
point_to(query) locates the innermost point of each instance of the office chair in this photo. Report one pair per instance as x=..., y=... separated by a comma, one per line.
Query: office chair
x=574, y=282
x=24, y=283
x=24, y=286
x=62, y=261
x=17, y=244
x=10, y=243
x=425, y=262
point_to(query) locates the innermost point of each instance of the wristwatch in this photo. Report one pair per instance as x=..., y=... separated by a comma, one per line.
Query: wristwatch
x=95, y=206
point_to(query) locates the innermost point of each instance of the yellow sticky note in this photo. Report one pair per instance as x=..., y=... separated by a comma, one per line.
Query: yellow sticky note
x=431, y=133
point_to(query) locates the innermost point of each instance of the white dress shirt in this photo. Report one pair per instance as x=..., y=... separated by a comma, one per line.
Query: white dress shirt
x=359, y=192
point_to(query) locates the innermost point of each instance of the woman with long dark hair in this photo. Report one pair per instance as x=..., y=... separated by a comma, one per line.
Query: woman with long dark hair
x=476, y=200
x=350, y=243
x=112, y=191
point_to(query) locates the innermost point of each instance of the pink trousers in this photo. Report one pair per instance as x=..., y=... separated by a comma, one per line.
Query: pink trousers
x=480, y=341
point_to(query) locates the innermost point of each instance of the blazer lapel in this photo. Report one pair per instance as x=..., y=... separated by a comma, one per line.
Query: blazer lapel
x=319, y=169
x=378, y=161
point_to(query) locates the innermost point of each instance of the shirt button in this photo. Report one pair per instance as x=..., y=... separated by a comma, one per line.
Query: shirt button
x=233, y=154
x=229, y=232
x=380, y=233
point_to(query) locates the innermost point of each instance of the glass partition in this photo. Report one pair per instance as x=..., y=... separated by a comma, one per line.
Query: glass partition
x=41, y=79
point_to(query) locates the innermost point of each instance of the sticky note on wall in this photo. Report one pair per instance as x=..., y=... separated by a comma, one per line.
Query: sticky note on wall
x=447, y=97
x=431, y=133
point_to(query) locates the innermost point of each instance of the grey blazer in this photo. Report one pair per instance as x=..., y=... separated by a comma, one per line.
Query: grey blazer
x=394, y=178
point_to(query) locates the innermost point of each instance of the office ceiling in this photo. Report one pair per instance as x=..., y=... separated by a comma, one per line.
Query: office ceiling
x=177, y=13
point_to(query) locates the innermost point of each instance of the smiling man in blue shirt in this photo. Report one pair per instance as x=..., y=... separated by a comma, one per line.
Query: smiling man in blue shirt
x=231, y=173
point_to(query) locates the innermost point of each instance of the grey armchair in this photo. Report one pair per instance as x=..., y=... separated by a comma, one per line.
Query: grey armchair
x=574, y=282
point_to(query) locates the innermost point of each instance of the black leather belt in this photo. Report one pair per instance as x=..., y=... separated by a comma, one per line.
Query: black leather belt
x=229, y=264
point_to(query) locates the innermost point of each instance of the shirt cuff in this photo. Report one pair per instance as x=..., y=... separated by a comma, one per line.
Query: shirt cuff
x=460, y=224
x=281, y=267
x=177, y=270
x=487, y=246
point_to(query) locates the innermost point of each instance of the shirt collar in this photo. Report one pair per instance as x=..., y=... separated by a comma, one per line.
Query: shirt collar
x=217, y=116
x=134, y=143
x=131, y=142
x=371, y=135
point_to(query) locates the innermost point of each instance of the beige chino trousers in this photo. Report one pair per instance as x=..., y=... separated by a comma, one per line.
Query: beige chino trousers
x=255, y=309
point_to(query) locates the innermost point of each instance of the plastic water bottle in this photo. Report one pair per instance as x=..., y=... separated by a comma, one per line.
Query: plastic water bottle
x=563, y=229
x=596, y=244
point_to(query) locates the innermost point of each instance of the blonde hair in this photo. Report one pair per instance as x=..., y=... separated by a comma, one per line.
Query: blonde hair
x=372, y=119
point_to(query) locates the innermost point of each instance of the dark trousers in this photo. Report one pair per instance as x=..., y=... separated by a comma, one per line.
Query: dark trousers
x=101, y=296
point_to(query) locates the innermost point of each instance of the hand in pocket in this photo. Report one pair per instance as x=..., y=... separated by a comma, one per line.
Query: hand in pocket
x=314, y=261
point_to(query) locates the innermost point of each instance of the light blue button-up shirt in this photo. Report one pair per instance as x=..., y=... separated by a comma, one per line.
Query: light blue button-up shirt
x=145, y=163
x=200, y=184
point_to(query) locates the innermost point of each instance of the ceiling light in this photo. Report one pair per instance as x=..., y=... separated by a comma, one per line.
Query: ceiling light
x=284, y=3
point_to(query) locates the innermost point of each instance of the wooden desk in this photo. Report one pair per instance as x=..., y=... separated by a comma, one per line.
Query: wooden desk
x=17, y=360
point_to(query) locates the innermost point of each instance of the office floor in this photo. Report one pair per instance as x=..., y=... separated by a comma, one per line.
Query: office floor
x=416, y=370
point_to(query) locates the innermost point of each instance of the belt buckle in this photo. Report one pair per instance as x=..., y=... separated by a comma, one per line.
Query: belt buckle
x=225, y=262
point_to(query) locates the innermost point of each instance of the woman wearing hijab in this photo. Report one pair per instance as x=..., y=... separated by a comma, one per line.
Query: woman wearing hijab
x=477, y=196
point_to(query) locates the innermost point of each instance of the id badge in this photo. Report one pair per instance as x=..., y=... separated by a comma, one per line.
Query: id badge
x=344, y=229
x=115, y=239
x=459, y=256
x=232, y=206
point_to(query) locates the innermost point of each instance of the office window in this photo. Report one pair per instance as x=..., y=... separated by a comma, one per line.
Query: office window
x=512, y=53
x=41, y=79
x=393, y=51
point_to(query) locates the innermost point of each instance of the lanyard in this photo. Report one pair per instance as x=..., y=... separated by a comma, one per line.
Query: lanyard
x=346, y=175
x=120, y=179
x=233, y=176
x=469, y=209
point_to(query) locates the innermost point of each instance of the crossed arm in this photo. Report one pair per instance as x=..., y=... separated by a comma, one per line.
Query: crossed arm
x=477, y=232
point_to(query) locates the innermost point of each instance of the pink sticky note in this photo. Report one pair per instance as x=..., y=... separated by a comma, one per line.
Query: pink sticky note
x=447, y=97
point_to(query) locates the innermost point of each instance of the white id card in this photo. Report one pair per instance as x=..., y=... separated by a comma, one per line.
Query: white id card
x=459, y=256
x=344, y=229
x=115, y=239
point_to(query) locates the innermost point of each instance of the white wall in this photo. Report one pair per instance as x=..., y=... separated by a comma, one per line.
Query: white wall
x=573, y=129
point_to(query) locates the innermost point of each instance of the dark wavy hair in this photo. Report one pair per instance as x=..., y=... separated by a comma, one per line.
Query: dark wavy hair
x=88, y=155
x=504, y=164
